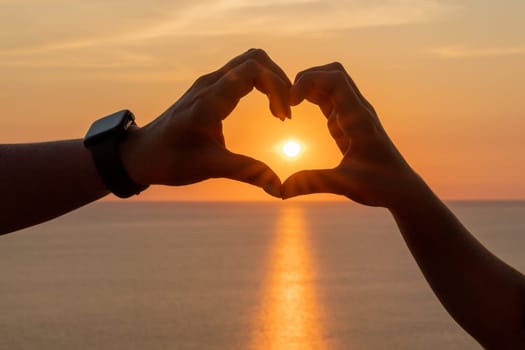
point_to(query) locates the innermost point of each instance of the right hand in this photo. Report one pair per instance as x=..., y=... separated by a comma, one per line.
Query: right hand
x=372, y=171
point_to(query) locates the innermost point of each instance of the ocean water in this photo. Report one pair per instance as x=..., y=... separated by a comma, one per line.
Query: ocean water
x=277, y=275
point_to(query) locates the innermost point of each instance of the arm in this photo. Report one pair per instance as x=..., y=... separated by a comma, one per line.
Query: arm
x=482, y=293
x=182, y=146
x=40, y=181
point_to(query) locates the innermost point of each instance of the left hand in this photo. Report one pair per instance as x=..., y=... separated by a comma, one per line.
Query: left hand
x=186, y=143
x=372, y=171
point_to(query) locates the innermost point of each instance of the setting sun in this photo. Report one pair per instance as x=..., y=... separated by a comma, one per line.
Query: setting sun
x=291, y=149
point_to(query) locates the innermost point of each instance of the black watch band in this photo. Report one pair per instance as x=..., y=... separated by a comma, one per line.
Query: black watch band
x=111, y=169
x=103, y=140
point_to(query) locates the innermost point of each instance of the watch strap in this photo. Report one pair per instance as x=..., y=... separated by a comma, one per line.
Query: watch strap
x=111, y=169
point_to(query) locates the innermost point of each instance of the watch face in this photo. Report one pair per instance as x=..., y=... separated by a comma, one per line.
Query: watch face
x=111, y=125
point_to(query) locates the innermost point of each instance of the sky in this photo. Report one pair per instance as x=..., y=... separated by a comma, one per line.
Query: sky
x=447, y=78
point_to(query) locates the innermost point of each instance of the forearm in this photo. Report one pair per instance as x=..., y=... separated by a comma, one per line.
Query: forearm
x=41, y=181
x=483, y=294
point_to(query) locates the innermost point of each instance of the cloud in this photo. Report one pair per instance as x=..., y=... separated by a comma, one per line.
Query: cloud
x=463, y=51
x=65, y=28
x=294, y=17
x=138, y=35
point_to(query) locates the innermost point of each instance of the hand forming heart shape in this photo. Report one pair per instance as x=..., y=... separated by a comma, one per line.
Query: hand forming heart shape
x=186, y=144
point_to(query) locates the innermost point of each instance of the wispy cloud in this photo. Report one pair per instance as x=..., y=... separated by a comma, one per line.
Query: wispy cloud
x=464, y=51
x=296, y=16
x=212, y=18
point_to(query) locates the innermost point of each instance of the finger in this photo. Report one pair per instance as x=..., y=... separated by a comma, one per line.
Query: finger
x=352, y=116
x=262, y=57
x=238, y=82
x=246, y=169
x=336, y=66
x=327, y=89
x=316, y=86
x=258, y=55
x=314, y=181
x=295, y=98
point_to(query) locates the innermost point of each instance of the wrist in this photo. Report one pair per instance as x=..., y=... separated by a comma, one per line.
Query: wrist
x=131, y=151
x=412, y=193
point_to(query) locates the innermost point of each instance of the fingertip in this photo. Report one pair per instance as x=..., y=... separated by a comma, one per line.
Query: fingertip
x=285, y=103
x=289, y=187
x=286, y=109
x=280, y=111
x=272, y=185
x=295, y=96
x=277, y=113
x=285, y=195
x=272, y=190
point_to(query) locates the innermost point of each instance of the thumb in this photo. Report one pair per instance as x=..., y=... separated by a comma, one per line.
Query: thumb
x=314, y=181
x=246, y=169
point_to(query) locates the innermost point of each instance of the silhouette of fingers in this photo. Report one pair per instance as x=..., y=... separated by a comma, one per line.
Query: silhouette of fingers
x=331, y=90
x=336, y=66
x=263, y=58
x=239, y=81
x=314, y=181
x=317, y=86
x=352, y=116
x=258, y=55
x=246, y=169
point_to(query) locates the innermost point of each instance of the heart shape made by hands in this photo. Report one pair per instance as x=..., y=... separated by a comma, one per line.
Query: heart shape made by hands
x=191, y=133
x=281, y=98
x=371, y=165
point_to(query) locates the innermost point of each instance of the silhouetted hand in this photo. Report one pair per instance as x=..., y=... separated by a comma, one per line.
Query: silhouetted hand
x=186, y=144
x=372, y=171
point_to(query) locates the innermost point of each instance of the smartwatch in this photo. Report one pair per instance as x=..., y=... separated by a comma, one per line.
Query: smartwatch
x=103, y=139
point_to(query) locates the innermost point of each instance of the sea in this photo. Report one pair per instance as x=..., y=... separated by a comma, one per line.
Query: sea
x=232, y=275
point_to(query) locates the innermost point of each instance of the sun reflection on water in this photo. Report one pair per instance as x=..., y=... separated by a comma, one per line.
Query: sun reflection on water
x=289, y=317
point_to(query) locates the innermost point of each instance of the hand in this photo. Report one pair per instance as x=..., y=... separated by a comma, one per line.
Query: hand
x=186, y=144
x=372, y=171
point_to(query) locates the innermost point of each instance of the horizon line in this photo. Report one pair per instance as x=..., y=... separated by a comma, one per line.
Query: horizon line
x=116, y=200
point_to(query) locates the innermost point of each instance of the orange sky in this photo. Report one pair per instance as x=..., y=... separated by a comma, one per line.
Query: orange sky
x=446, y=77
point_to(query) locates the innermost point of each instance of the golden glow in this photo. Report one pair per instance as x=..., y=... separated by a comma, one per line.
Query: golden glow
x=289, y=317
x=291, y=149
x=435, y=94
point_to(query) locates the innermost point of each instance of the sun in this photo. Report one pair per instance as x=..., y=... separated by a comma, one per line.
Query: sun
x=291, y=149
